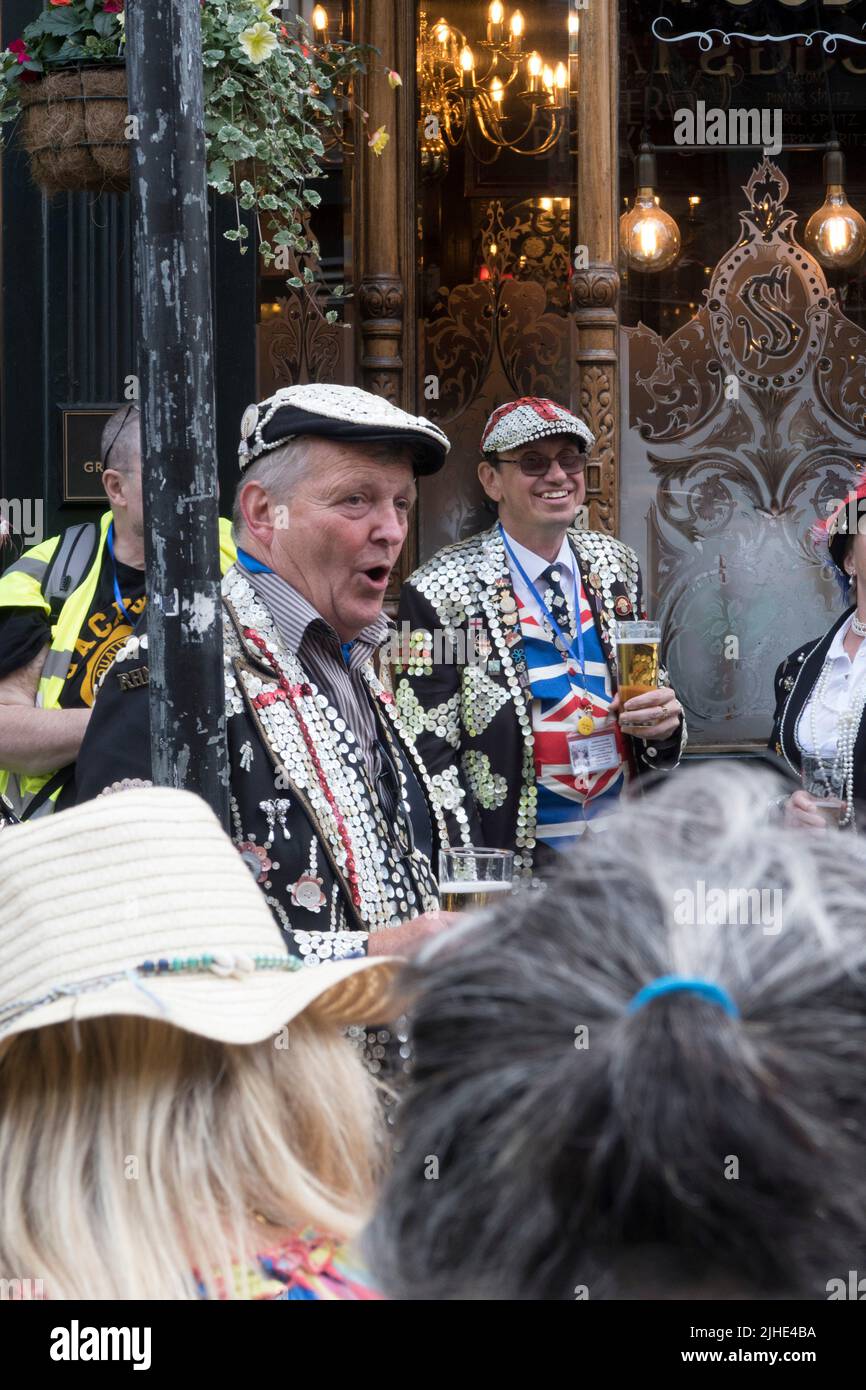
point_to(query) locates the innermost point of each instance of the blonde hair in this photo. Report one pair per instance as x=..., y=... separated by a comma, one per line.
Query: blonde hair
x=134, y=1157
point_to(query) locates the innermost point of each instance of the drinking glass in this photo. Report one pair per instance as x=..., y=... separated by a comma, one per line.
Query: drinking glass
x=826, y=784
x=471, y=878
x=637, y=658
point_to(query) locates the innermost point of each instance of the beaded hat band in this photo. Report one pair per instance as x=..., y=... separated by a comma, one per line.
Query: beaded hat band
x=148, y=909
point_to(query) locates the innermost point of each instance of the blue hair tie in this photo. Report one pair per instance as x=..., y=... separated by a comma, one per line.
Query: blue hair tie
x=672, y=984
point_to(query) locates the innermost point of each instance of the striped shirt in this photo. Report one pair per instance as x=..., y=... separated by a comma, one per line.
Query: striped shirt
x=317, y=646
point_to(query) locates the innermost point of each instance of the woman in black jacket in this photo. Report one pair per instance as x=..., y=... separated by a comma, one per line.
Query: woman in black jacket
x=821, y=687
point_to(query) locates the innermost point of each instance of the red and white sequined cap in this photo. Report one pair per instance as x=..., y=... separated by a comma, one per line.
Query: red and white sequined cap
x=531, y=417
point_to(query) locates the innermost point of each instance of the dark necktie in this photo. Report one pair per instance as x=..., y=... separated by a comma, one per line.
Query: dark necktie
x=551, y=585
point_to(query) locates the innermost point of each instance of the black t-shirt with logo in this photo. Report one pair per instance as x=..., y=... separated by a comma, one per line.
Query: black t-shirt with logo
x=25, y=631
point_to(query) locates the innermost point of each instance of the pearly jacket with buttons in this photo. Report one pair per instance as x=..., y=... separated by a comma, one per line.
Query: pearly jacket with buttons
x=472, y=722
x=795, y=680
x=333, y=865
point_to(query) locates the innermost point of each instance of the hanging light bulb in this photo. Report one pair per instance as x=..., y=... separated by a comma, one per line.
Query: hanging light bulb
x=496, y=90
x=319, y=19
x=649, y=236
x=836, y=233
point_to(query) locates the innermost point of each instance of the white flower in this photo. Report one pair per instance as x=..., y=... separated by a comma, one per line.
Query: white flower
x=258, y=42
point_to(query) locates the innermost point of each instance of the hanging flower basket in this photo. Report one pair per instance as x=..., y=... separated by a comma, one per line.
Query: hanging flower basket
x=73, y=127
x=275, y=97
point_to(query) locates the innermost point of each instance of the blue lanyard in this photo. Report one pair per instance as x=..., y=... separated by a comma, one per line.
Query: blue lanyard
x=251, y=564
x=578, y=655
x=118, y=596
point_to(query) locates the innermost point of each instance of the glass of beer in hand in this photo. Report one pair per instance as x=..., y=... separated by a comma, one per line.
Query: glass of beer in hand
x=826, y=783
x=471, y=878
x=637, y=658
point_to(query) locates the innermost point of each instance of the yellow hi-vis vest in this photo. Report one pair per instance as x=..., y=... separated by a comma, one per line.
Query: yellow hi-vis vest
x=21, y=586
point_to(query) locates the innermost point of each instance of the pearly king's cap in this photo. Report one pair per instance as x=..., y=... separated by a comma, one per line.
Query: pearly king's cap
x=139, y=904
x=337, y=412
x=529, y=418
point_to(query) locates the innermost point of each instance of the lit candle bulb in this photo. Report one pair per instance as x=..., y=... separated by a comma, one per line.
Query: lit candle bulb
x=534, y=66
x=441, y=33
x=319, y=19
x=517, y=26
x=495, y=16
x=560, y=78
x=467, y=65
x=547, y=77
x=496, y=90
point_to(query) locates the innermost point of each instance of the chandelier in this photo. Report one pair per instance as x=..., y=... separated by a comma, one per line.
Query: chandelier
x=491, y=92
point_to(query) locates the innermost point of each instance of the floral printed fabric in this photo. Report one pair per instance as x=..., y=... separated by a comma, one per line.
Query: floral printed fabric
x=307, y=1267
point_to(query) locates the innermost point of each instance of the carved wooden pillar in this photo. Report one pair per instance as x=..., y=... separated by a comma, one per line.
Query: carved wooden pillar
x=384, y=219
x=384, y=193
x=595, y=392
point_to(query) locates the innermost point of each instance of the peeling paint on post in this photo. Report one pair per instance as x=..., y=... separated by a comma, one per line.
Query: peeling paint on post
x=175, y=349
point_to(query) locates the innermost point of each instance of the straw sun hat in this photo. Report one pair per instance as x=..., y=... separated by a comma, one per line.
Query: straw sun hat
x=138, y=903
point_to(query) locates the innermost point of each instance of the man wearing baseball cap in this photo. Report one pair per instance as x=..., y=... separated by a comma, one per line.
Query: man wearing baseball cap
x=331, y=806
x=522, y=730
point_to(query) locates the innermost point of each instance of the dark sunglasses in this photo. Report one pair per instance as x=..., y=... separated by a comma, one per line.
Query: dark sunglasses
x=536, y=465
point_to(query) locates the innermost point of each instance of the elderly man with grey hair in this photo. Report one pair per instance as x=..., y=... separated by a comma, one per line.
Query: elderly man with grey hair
x=330, y=805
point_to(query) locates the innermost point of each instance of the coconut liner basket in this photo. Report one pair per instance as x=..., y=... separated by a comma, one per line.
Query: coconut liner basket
x=73, y=127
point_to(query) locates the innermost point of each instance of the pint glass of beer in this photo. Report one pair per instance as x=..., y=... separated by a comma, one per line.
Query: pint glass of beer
x=637, y=658
x=472, y=878
x=827, y=784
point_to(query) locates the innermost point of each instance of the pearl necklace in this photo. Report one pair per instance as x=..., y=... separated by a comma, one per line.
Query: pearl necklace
x=858, y=628
x=849, y=727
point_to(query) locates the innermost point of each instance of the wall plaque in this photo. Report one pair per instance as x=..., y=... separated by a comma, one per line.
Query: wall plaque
x=82, y=451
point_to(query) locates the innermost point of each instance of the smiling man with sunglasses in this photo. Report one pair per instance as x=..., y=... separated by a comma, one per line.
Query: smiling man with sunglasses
x=520, y=723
